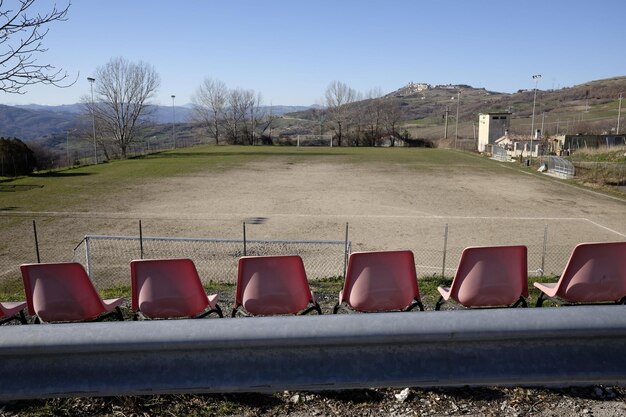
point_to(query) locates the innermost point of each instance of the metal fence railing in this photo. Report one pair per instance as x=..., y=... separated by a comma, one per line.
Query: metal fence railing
x=499, y=153
x=107, y=257
x=559, y=167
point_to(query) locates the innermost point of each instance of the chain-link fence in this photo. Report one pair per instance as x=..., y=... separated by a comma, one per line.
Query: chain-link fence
x=106, y=258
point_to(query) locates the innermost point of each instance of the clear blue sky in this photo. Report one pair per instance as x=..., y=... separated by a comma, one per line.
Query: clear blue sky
x=291, y=50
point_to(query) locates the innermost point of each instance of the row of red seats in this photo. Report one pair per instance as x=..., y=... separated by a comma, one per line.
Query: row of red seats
x=270, y=285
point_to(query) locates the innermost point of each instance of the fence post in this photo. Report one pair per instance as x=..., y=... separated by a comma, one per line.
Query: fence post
x=140, y=241
x=88, y=256
x=545, y=245
x=345, y=253
x=445, y=248
x=244, y=239
x=36, y=241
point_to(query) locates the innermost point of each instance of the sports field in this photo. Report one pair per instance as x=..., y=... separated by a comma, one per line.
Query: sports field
x=391, y=199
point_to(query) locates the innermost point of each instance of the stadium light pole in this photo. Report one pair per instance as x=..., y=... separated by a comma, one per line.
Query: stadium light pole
x=67, y=144
x=173, y=121
x=93, y=119
x=458, y=102
x=536, y=77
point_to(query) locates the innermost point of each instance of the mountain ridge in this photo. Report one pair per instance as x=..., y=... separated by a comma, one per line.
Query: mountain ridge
x=421, y=104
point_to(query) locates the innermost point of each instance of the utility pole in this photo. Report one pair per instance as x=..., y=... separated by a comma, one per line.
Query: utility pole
x=543, y=117
x=619, y=113
x=445, y=129
x=173, y=121
x=557, y=125
x=93, y=116
x=536, y=77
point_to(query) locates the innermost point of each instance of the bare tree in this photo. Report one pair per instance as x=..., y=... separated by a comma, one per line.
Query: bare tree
x=241, y=119
x=374, y=115
x=21, y=39
x=391, y=119
x=357, y=119
x=236, y=113
x=209, y=103
x=265, y=123
x=338, y=95
x=123, y=90
x=257, y=114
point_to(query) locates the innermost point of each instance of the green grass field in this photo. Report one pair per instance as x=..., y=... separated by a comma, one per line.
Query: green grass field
x=75, y=194
x=71, y=188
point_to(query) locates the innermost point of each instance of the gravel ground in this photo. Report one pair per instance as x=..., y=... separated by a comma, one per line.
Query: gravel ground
x=586, y=401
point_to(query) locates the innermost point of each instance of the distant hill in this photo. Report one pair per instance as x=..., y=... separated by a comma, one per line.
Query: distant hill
x=586, y=108
x=28, y=123
x=34, y=121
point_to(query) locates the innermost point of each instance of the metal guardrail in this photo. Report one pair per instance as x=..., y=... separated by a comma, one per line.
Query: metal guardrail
x=563, y=346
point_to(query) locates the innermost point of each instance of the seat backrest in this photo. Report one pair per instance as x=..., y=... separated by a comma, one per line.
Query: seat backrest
x=163, y=288
x=491, y=276
x=268, y=285
x=595, y=272
x=380, y=281
x=60, y=292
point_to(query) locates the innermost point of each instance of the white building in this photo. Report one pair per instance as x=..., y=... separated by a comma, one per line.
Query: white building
x=492, y=126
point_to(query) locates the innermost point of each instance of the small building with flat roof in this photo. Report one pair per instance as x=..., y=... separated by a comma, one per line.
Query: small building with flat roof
x=492, y=126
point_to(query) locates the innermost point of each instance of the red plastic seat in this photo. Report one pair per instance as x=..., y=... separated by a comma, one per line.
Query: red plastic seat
x=380, y=281
x=595, y=273
x=168, y=288
x=270, y=285
x=11, y=310
x=64, y=292
x=489, y=276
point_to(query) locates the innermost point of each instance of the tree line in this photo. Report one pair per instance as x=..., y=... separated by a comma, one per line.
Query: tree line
x=235, y=116
x=358, y=119
x=119, y=104
x=16, y=159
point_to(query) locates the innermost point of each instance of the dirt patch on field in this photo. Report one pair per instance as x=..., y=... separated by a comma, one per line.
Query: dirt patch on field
x=387, y=207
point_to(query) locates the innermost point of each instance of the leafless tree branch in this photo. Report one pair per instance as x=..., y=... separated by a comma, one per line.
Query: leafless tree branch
x=21, y=41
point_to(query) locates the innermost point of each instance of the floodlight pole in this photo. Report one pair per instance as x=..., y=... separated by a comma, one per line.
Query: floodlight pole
x=536, y=77
x=456, y=134
x=173, y=121
x=67, y=145
x=93, y=117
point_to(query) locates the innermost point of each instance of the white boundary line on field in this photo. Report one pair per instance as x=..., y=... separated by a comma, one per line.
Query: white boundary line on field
x=597, y=193
x=606, y=228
